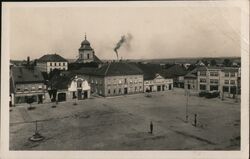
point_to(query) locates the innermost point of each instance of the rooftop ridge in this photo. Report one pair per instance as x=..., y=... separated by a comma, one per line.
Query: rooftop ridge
x=107, y=69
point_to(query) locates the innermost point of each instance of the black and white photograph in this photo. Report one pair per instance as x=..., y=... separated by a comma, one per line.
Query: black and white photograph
x=125, y=77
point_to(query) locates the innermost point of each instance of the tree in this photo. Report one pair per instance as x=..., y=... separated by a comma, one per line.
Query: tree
x=227, y=62
x=30, y=100
x=213, y=62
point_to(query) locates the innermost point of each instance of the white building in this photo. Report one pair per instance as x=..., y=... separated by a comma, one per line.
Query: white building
x=49, y=62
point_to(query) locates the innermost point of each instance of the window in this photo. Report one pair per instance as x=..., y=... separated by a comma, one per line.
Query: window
x=225, y=89
x=63, y=63
x=25, y=89
x=120, y=82
x=40, y=87
x=213, y=88
x=125, y=80
x=92, y=81
x=51, y=69
x=18, y=89
x=214, y=74
x=88, y=56
x=81, y=56
x=135, y=89
x=120, y=90
x=226, y=74
x=33, y=88
x=59, y=64
x=108, y=91
x=232, y=82
x=202, y=80
x=100, y=92
x=114, y=91
x=203, y=87
x=214, y=81
x=203, y=73
x=233, y=74
x=226, y=81
x=51, y=64
x=55, y=63
x=96, y=82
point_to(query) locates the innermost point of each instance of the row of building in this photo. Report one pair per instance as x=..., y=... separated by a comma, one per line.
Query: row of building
x=89, y=76
x=104, y=79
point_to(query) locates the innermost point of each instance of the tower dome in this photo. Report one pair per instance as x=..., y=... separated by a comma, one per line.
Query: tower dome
x=85, y=45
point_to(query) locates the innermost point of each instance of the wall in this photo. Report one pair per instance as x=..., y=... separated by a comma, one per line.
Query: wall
x=56, y=65
x=158, y=81
x=133, y=84
x=84, y=53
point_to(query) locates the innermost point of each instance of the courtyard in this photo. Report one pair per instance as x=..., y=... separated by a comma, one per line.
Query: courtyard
x=123, y=122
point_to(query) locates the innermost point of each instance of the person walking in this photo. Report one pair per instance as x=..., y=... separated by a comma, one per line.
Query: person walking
x=151, y=127
x=195, y=120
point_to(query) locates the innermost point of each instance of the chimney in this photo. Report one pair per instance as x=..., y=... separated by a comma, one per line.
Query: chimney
x=28, y=60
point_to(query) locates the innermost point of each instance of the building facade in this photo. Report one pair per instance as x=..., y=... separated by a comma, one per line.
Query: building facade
x=69, y=86
x=158, y=83
x=49, y=62
x=220, y=79
x=26, y=83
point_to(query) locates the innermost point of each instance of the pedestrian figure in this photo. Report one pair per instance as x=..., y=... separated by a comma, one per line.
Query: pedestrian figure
x=151, y=127
x=195, y=120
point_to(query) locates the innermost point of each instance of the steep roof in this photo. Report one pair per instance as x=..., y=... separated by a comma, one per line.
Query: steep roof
x=51, y=58
x=61, y=81
x=96, y=60
x=174, y=71
x=23, y=74
x=113, y=69
x=149, y=70
x=192, y=74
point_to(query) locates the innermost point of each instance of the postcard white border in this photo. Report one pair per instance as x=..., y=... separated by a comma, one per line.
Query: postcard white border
x=243, y=153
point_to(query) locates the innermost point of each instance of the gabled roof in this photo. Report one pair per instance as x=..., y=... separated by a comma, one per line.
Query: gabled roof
x=149, y=70
x=95, y=60
x=113, y=69
x=51, y=58
x=174, y=71
x=192, y=74
x=61, y=81
x=230, y=69
x=23, y=74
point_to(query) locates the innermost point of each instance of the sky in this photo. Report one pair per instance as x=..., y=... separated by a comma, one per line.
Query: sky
x=156, y=32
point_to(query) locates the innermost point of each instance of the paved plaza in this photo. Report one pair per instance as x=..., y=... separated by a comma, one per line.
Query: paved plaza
x=123, y=123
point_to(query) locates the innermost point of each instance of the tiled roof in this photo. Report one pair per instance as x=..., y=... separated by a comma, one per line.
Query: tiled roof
x=114, y=69
x=51, y=58
x=149, y=70
x=23, y=74
x=192, y=74
x=174, y=71
x=96, y=60
x=230, y=69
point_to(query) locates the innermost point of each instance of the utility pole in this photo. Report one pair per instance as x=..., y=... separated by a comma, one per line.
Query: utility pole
x=187, y=107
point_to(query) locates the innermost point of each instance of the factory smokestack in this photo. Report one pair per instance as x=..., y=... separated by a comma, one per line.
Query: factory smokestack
x=124, y=39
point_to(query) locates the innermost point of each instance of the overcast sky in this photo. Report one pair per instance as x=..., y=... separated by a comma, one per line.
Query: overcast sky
x=159, y=32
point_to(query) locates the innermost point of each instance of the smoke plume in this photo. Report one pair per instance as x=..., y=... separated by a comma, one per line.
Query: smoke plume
x=124, y=41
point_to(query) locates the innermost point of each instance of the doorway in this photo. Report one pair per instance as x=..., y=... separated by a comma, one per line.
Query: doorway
x=125, y=90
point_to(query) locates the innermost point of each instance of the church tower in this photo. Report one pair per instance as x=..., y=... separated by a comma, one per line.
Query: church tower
x=86, y=53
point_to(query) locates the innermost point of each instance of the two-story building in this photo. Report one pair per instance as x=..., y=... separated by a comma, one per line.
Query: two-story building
x=26, y=82
x=113, y=79
x=49, y=62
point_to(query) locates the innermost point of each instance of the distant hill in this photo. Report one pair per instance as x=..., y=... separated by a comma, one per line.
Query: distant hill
x=218, y=60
